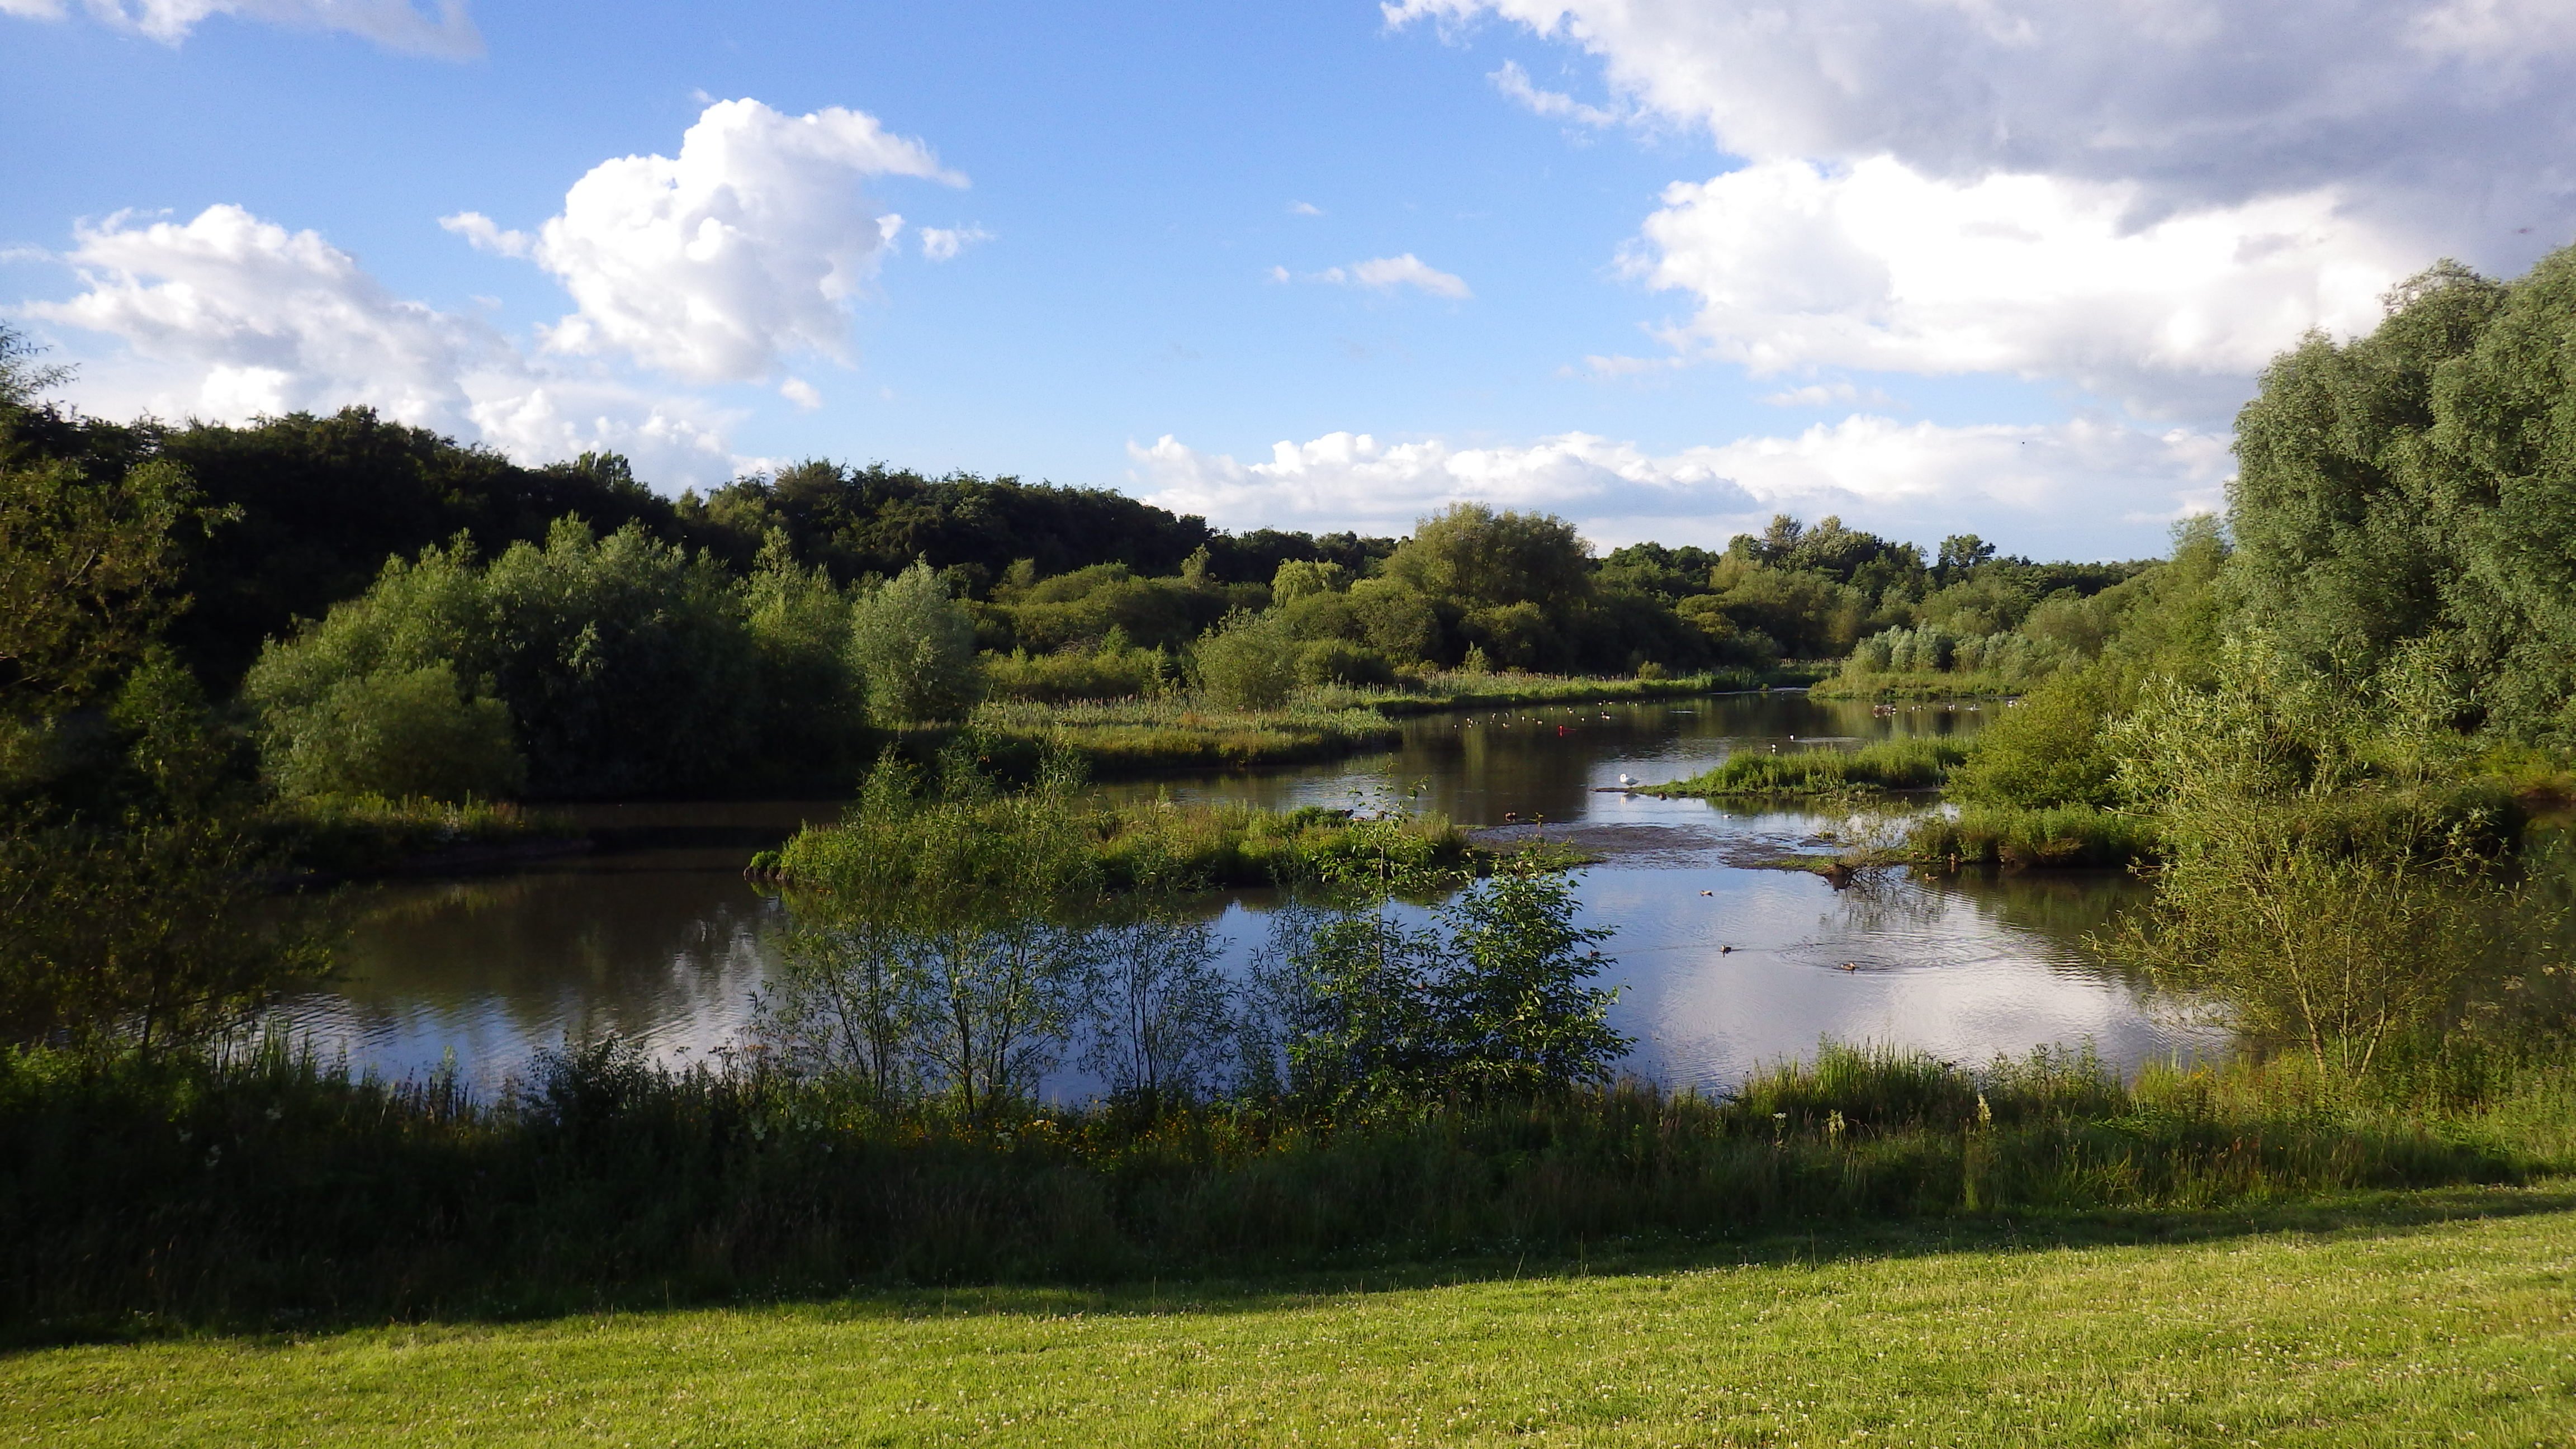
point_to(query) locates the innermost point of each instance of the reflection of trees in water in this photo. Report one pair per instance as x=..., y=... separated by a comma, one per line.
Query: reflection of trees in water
x=587, y=950
x=2059, y=908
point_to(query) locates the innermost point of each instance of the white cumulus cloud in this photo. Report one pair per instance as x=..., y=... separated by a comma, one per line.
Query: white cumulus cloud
x=714, y=264
x=1875, y=266
x=2082, y=488
x=228, y=317
x=446, y=32
x=2471, y=101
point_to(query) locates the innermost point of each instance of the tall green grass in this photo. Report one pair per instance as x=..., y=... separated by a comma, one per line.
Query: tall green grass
x=2056, y=836
x=1909, y=764
x=366, y=834
x=1141, y=736
x=265, y=1188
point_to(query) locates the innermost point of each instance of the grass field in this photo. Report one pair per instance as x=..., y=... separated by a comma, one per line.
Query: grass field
x=2439, y=1317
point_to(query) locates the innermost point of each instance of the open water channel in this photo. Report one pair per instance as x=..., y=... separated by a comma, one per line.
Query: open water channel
x=1723, y=963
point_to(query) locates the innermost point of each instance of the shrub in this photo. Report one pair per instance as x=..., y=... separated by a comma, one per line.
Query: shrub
x=915, y=646
x=1247, y=662
x=1108, y=672
x=622, y=661
x=1336, y=661
x=398, y=733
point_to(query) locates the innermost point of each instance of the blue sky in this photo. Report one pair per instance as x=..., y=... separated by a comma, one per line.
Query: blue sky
x=2001, y=267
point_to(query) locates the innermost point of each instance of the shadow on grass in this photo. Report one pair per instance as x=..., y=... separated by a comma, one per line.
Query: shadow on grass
x=2371, y=1215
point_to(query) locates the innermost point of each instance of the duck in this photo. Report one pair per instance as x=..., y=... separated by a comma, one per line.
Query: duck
x=1851, y=965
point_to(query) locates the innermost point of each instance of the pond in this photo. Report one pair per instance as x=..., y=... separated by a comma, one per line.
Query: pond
x=1722, y=964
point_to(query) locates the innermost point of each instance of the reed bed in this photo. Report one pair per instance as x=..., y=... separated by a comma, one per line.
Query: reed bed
x=1907, y=764
x=268, y=1188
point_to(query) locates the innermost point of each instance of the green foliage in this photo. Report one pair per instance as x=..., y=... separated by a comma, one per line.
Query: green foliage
x=142, y=936
x=86, y=573
x=1305, y=578
x=1338, y=661
x=1247, y=662
x=259, y=1190
x=1112, y=671
x=915, y=646
x=2310, y=895
x=2048, y=749
x=933, y=939
x=2021, y=837
x=2409, y=486
x=813, y=698
x=1481, y=559
x=1919, y=763
x=397, y=732
x=623, y=662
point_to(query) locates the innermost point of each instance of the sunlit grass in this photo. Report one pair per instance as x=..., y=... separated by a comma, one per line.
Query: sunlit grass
x=2433, y=1318
x=1906, y=764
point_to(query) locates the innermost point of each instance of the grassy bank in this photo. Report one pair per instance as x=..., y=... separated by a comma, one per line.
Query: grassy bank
x=2380, y=1320
x=1149, y=735
x=1909, y=764
x=340, y=836
x=1919, y=684
x=270, y=1192
x=1145, y=736
x=1229, y=844
x=1433, y=693
x=2063, y=837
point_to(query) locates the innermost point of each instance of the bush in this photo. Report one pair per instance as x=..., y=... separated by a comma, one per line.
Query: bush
x=1109, y=672
x=623, y=662
x=398, y=733
x=1248, y=662
x=915, y=646
x=1336, y=661
x=2047, y=750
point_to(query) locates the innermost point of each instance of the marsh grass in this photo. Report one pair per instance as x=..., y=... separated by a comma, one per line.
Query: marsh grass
x=1144, y=735
x=267, y=1187
x=1921, y=763
x=1919, y=684
x=2048, y=837
x=368, y=834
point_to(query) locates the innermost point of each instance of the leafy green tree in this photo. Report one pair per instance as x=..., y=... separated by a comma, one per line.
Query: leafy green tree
x=813, y=699
x=87, y=571
x=1302, y=578
x=2311, y=901
x=1521, y=1017
x=1474, y=557
x=914, y=644
x=1162, y=1022
x=623, y=662
x=399, y=733
x=1247, y=662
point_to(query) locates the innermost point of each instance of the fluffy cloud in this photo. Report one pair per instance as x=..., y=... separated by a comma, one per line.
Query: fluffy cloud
x=941, y=244
x=1385, y=274
x=2080, y=488
x=393, y=24
x=229, y=317
x=1878, y=267
x=1514, y=82
x=2466, y=107
x=713, y=264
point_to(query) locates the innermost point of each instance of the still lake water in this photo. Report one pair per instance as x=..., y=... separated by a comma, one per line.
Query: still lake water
x=656, y=936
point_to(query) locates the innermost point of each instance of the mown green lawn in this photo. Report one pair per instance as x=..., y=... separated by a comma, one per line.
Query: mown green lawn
x=2444, y=1318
